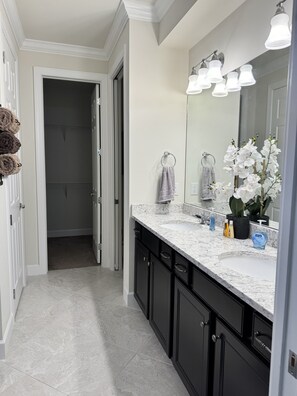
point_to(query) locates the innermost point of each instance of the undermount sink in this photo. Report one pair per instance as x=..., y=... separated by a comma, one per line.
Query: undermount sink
x=181, y=226
x=261, y=267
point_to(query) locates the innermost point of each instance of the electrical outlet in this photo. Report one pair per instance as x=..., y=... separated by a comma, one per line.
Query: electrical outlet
x=194, y=188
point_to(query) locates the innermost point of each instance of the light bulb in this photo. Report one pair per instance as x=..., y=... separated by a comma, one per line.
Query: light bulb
x=220, y=89
x=203, y=80
x=193, y=87
x=214, y=71
x=280, y=34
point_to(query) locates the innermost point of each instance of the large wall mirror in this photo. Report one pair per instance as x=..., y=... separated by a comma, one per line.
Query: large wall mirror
x=213, y=122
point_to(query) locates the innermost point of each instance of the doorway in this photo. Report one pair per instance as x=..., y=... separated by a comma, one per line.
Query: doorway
x=118, y=95
x=71, y=123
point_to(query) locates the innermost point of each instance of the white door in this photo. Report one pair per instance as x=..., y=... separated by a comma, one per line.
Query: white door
x=276, y=118
x=96, y=169
x=14, y=182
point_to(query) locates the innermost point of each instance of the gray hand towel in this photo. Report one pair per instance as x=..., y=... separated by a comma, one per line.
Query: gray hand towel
x=167, y=186
x=207, y=179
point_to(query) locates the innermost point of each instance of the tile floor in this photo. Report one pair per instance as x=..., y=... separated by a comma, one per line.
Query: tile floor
x=74, y=336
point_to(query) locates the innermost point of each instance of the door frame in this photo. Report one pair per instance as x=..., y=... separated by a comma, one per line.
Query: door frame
x=41, y=73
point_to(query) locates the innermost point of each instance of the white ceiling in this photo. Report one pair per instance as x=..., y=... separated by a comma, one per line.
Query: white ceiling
x=85, y=22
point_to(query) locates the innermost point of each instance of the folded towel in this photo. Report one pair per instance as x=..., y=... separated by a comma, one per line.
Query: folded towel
x=8, y=121
x=9, y=164
x=167, y=186
x=9, y=143
x=207, y=179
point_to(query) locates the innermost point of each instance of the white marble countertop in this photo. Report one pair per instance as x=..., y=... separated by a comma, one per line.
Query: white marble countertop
x=203, y=247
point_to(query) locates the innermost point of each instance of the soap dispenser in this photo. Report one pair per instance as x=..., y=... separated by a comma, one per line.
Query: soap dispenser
x=260, y=238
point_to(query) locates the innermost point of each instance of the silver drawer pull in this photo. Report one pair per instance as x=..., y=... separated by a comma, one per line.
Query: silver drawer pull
x=180, y=268
x=165, y=256
x=215, y=338
x=261, y=343
x=203, y=324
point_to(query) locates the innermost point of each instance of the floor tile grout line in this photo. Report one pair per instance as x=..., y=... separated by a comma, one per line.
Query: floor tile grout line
x=30, y=376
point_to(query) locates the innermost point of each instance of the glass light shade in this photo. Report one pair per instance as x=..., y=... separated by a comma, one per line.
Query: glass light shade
x=214, y=71
x=220, y=89
x=232, y=82
x=246, y=77
x=193, y=87
x=203, y=80
x=280, y=34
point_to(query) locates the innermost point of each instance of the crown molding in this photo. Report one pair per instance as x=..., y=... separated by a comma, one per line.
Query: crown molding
x=64, y=49
x=14, y=20
x=118, y=25
x=161, y=8
x=140, y=10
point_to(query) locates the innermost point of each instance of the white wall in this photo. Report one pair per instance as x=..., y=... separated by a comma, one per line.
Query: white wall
x=241, y=36
x=28, y=60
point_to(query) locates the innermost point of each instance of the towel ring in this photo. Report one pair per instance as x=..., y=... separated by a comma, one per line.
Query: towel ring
x=164, y=157
x=204, y=158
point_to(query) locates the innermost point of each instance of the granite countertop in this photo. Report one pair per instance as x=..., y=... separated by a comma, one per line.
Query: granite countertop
x=203, y=247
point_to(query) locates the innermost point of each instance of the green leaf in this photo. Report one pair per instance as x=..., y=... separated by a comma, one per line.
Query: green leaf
x=236, y=206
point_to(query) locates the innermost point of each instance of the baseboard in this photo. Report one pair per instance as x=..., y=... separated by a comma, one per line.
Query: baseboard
x=6, y=338
x=34, y=270
x=130, y=300
x=66, y=233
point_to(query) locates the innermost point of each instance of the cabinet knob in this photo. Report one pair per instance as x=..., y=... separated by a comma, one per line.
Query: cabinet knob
x=215, y=338
x=203, y=324
x=144, y=258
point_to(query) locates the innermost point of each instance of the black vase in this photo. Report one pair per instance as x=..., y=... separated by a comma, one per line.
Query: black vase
x=257, y=217
x=241, y=226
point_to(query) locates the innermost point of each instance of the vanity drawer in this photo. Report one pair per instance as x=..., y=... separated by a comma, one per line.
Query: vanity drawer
x=166, y=254
x=262, y=336
x=225, y=305
x=150, y=241
x=182, y=268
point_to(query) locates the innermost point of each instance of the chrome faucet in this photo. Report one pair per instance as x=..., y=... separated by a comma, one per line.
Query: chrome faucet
x=203, y=219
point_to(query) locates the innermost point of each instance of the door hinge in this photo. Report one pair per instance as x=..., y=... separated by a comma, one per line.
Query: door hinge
x=13, y=293
x=3, y=57
x=99, y=246
x=99, y=101
x=99, y=200
x=10, y=219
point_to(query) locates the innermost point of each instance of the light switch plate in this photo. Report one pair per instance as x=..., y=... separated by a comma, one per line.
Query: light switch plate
x=292, y=367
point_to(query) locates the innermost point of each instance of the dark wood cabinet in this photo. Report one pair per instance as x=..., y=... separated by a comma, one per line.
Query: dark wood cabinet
x=191, y=340
x=142, y=274
x=160, y=314
x=219, y=345
x=237, y=371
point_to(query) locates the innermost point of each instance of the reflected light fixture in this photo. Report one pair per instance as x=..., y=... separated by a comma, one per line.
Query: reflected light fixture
x=233, y=84
x=246, y=77
x=280, y=34
x=193, y=87
x=220, y=89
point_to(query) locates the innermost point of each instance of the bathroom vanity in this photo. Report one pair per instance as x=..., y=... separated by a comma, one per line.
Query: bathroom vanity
x=213, y=322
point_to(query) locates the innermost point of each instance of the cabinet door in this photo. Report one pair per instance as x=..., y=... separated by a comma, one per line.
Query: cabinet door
x=141, y=286
x=160, y=302
x=191, y=340
x=237, y=370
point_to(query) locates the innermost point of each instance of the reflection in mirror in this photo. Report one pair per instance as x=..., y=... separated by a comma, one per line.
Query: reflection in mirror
x=213, y=122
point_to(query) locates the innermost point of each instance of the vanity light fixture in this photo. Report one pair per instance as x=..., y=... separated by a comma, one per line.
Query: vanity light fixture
x=246, y=77
x=203, y=79
x=220, y=89
x=215, y=68
x=193, y=87
x=280, y=34
x=206, y=75
x=233, y=84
